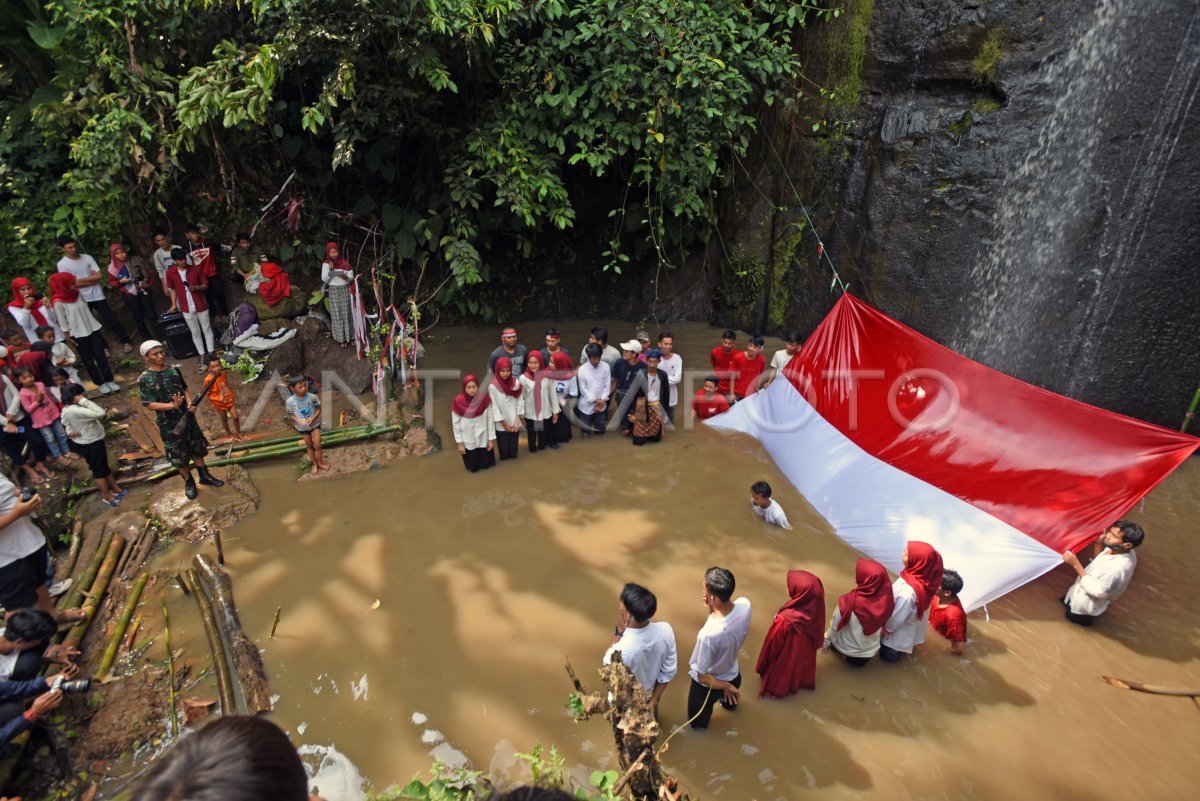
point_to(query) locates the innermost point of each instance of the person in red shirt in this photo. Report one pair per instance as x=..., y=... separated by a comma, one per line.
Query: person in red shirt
x=946, y=614
x=748, y=366
x=203, y=253
x=186, y=287
x=721, y=359
x=708, y=402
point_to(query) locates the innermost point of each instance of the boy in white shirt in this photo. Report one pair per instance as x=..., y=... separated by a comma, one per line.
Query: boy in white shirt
x=1108, y=575
x=782, y=357
x=647, y=647
x=764, y=507
x=714, y=661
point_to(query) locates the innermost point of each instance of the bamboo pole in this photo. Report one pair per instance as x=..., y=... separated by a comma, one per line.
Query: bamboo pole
x=247, y=659
x=134, y=546
x=76, y=542
x=219, y=658
x=84, y=582
x=114, y=644
x=275, y=624
x=133, y=630
x=282, y=450
x=220, y=547
x=170, y=669
x=107, y=567
x=1191, y=412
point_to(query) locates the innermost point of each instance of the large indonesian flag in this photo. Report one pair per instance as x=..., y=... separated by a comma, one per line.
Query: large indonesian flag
x=893, y=437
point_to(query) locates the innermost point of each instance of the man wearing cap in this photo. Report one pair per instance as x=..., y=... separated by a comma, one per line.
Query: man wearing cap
x=164, y=391
x=626, y=375
x=643, y=338
x=510, y=348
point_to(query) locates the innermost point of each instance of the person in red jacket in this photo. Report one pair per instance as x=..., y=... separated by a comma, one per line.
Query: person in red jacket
x=203, y=253
x=748, y=366
x=721, y=359
x=788, y=659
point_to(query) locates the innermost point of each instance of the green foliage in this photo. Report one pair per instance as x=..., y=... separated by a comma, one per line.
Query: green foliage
x=477, y=141
x=985, y=104
x=987, y=60
x=548, y=769
x=246, y=365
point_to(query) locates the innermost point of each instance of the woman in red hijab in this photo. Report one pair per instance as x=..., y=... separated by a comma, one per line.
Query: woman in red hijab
x=788, y=659
x=275, y=285
x=562, y=373
x=914, y=591
x=31, y=312
x=76, y=321
x=507, y=408
x=541, y=403
x=857, y=623
x=338, y=276
x=474, y=431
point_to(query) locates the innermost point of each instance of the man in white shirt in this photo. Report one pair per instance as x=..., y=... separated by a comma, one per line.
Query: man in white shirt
x=163, y=258
x=767, y=507
x=609, y=354
x=87, y=281
x=1108, y=575
x=595, y=388
x=671, y=363
x=714, y=661
x=647, y=648
x=781, y=358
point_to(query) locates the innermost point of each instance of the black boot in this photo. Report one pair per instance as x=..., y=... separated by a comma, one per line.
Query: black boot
x=189, y=488
x=208, y=478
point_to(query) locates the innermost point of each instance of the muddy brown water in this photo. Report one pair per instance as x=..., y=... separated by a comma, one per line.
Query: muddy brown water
x=422, y=593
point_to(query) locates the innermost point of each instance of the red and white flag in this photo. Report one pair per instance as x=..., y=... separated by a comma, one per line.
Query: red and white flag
x=891, y=437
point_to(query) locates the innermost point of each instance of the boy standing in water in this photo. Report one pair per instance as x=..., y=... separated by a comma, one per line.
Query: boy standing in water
x=305, y=410
x=766, y=508
x=714, y=661
x=1108, y=575
x=707, y=402
x=947, y=615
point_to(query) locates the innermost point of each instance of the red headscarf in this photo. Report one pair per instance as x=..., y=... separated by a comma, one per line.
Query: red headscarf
x=923, y=573
x=562, y=364
x=788, y=659
x=62, y=288
x=465, y=406
x=537, y=378
x=871, y=601
x=512, y=387
x=340, y=263
x=18, y=301
x=277, y=285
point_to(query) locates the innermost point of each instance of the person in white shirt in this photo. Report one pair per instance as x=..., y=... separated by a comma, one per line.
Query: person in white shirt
x=595, y=388
x=766, y=508
x=647, y=648
x=670, y=364
x=87, y=281
x=540, y=402
x=609, y=354
x=713, y=665
x=782, y=357
x=474, y=431
x=25, y=557
x=913, y=592
x=1108, y=575
x=162, y=258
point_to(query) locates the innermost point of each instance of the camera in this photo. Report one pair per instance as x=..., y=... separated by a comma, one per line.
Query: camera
x=38, y=296
x=73, y=686
x=27, y=494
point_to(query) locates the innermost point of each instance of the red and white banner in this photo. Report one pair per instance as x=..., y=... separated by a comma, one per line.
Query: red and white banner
x=892, y=437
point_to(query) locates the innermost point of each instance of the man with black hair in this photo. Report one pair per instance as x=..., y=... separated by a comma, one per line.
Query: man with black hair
x=87, y=280
x=721, y=358
x=747, y=367
x=1108, y=575
x=23, y=647
x=162, y=257
x=714, y=661
x=246, y=257
x=609, y=355
x=188, y=292
x=202, y=253
x=946, y=613
x=780, y=360
x=647, y=648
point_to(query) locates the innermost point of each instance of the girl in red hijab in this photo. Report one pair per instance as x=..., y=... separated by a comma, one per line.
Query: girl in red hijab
x=914, y=592
x=30, y=312
x=540, y=402
x=507, y=408
x=788, y=659
x=474, y=431
x=338, y=277
x=857, y=623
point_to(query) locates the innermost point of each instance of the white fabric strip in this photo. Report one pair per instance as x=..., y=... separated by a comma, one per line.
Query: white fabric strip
x=876, y=508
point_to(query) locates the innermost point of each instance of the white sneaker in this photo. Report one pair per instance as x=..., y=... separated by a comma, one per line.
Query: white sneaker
x=113, y=386
x=104, y=390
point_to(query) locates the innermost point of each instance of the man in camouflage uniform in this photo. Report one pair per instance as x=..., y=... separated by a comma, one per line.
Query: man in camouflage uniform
x=164, y=391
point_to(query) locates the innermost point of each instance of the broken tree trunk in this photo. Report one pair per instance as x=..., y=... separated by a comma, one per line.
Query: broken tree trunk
x=247, y=660
x=215, y=644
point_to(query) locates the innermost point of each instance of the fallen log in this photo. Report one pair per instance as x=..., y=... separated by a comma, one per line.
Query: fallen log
x=84, y=582
x=1153, y=689
x=170, y=671
x=76, y=542
x=247, y=659
x=114, y=644
x=96, y=591
x=216, y=646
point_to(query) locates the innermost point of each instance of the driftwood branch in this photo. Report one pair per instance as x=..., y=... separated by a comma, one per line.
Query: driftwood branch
x=247, y=659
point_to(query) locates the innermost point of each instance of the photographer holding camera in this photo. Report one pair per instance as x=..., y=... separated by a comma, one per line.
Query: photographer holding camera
x=24, y=557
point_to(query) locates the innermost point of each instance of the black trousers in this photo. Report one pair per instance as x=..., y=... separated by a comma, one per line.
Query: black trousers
x=702, y=699
x=539, y=433
x=853, y=661
x=91, y=353
x=562, y=429
x=889, y=654
x=592, y=423
x=507, y=444
x=478, y=459
x=101, y=309
x=14, y=444
x=142, y=310
x=216, y=296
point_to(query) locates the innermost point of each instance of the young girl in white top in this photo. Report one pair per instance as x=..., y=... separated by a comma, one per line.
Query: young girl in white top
x=562, y=372
x=541, y=403
x=507, y=408
x=913, y=592
x=474, y=431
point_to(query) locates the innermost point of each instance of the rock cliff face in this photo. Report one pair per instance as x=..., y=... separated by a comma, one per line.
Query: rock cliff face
x=1018, y=180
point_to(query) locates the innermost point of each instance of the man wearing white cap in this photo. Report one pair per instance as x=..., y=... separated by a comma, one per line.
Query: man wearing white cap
x=625, y=375
x=164, y=391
